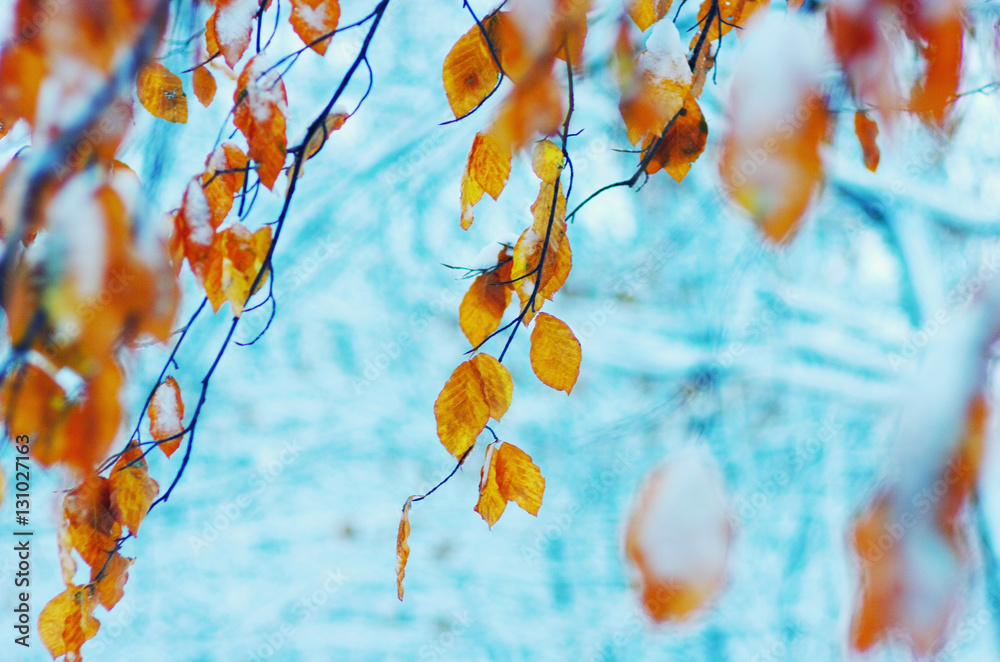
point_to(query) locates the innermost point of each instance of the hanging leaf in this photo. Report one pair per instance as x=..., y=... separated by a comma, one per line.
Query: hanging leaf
x=161, y=93
x=647, y=12
x=92, y=528
x=312, y=19
x=535, y=106
x=539, y=238
x=402, y=547
x=470, y=72
x=110, y=586
x=483, y=305
x=547, y=160
x=261, y=106
x=511, y=476
x=332, y=122
x=229, y=28
x=224, y=176
x=238, y=258
x=204, y=85
x=166, y=415
x=660, y=83
x=486, y=170
x=682, y=144
x=132, y=490
x=67, y=622
x=461, y=409
x=497, y=384
x=555, y=353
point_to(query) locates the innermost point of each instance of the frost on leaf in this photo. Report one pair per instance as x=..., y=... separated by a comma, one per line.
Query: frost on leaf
x=132, y=490
x=771, y=166
x=312, y=19
x=508, y=475
x=67, y=621
x=261, y=105
x=224, y=174
x=204, y=85
x=682, y=144
x=867, y=131
x=660, y=83
x=497, y=384
x=166, y=415
x=555, y=353
x=486, y=171
x=483, y=305
x=678, y=536
x=402, y=547
x=229, y=28
x=470, y=72
x=161, y=93
x=461, y=409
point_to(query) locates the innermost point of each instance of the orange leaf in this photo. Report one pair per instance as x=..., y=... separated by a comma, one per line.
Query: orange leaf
x=132, y=490
x=161, y=93
x=204, y=85
x=110, y=588
x=678, y=537
x=92, y=528
x=402, y=547
x=311, y=19
x=497, y=384
x=534, y=106
x=532, y=242
x=647, y=12
x=660, y=82
x=461, y=409
x=222, y=179
x=82, y=435
x=547, y=161
x=31, y=401
x=332, y=122
x=229, y=28
x=555, y=353
x=239, y=257
x=512, y=476
x=486, y=170
x=166, y=415
x=867, y=131
x=470, y=73
x=507, y=44
x=261, y=105
x=683, y=143
x=483, y=305
x=67, y=621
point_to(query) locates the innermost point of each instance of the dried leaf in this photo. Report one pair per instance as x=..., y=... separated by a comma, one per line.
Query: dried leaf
x=261, y=105
x=166, y=415
x=547, y=161
x=483, y=305
x=647, y=12
x=470, y=73
x=461, y=409
x=238, y=258
x=91, y=526
x=660, y=83
x=225, y=171
x=867, y=131
x=204, y=85
x=683, y=143
x=555, y=353
x=132, y=490
x=497, y=384
x=312, y=19
x=161, y=93
x=229, y=28
x=67, y=621
x=539, y=238
x=110, y=587
x=402, y=547
x=512, y=476
x=486, y=170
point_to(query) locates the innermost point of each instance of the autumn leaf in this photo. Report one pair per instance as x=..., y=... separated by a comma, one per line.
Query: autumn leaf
x=260, y=109
x=486, y=171
x=660, y=83
x=682, y=144
x=223, y=178
x=161, y=93
x=92, y=528
x=166, y=415
x=867, y=131
x=109, y=580
x=470, y=72
x=132, y=490
x=84, y=431
x=402, y=547
x=546, y=235
x=31, y=399
x=678, y=537
x=229, y=28
x=483, y=305
x=312, y=19
x=332, y=122
x=555, y=353
x=547, y=161
x=497, y=384
x=647, y=12
x=204, y=85
x=67, y=621
x=535, y=106
x=511, y=476
x=238, y=258
x=461, y=409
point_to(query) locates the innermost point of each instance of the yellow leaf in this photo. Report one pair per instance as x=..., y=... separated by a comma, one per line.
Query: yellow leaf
x=547, y=161
x=682, y=144
x=660, y=82
x=312, y=19
x=110, y=587
x=532, y=242
x=166, y=415
x=161, y=93
x=486, y=171
x=511, y=476
x=402, y=547
x=483, y=305
x=647, y=12
x=470, y=73
x=67, y=621
x=461, y=409
x=204, y=85
x=555, y=353
x=132, y=490
x=497, y=384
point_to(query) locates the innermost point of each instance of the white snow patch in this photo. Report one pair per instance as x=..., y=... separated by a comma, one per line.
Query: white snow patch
x=664, y=56
x=78, y=234
x=198, y=214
